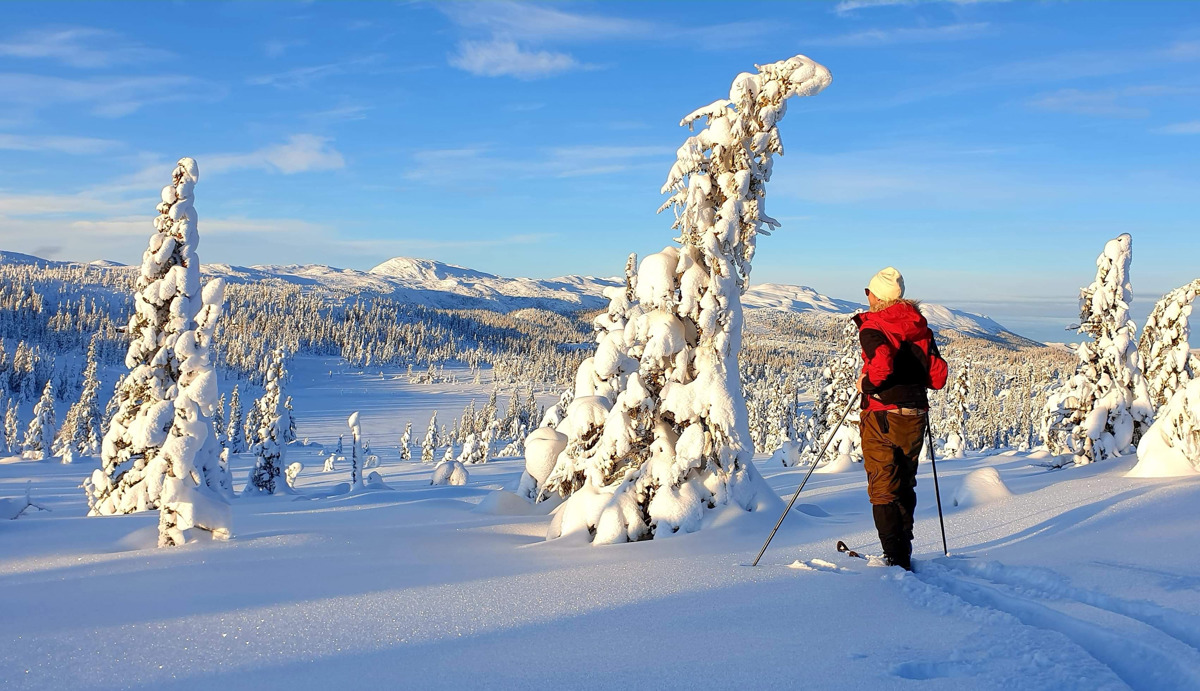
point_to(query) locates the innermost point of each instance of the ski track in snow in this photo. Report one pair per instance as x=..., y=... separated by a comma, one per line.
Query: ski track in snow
x=1019, y=594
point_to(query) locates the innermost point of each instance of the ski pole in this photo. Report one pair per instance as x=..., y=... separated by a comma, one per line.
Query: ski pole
x=936, y=492
x=853, y=402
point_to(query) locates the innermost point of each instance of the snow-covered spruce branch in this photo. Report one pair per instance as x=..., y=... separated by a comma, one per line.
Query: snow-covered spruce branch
x=657, y=429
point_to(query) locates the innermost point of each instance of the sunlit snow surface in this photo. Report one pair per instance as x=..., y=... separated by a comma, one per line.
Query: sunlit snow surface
x=1081, y=579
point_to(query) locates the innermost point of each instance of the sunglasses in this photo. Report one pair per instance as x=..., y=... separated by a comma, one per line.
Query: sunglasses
x=867, y=291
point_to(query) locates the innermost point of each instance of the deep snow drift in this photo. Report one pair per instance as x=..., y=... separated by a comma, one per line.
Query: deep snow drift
x=1081, y=579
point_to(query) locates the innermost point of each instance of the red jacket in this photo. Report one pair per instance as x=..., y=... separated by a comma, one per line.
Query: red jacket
x=900, y=357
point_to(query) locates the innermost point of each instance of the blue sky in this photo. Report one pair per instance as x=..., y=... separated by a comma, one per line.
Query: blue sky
x=986, y=149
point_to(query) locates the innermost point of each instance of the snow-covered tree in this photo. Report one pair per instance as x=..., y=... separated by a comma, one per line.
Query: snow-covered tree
x=269, y=444
x=836, y=389
x=674, y=435
x=40, y=434
x=1164, y=347
x=80, y=425
x=356, y=455
x=429, y=443
x=235, y=441
x=289, y=431
x=219, y=421
x=12, y=427
x=253, y=423
x=160, y=450
x=958, y=412
x=1171, y=447
x=1104, y=408
x=406, y=442
x=472, y=451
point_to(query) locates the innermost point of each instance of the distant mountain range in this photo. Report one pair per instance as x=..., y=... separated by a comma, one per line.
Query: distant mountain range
x=435, y=284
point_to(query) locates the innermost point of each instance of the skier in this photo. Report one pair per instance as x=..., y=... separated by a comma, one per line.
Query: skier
x=901, y=361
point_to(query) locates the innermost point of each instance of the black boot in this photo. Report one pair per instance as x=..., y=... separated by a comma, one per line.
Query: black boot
x=894, y=535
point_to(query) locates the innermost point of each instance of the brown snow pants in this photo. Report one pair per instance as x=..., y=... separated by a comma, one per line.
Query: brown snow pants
x=891, y=445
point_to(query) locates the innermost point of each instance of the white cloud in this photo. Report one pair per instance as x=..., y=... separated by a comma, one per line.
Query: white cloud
x=509, y=38
x=302, y=153
x=851, y=5
x=103, y=96
x=531, y=22
x=920, y=34
x=303, y=77
x=79, y=47
x=482, y=164
x=504, y=58
x=1079, y=102
x=1106, y=102
x=61, y=144
x=1190, y=127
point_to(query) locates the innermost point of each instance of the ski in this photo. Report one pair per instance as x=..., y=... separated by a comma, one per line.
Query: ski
x=841, y=547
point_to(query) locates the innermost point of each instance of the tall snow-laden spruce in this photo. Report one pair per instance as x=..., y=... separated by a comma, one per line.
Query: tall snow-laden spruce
x=42, y=428
x=430, y=443
x=1164, y=347
x=836, y=390
x=161, y=450
x=80, y=430
x=269, y=443
x=234, y=439
x=406, y=442
x=958, y=412
x=1104, y=408
x=657, y=428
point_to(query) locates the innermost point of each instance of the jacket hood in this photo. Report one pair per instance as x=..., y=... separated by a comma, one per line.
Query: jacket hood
x=902, y=319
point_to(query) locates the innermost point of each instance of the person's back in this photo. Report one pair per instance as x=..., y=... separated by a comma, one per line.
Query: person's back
x=900, y=362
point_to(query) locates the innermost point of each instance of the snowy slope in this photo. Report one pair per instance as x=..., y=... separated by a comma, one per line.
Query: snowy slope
x=1062, y=584
x=447, y=286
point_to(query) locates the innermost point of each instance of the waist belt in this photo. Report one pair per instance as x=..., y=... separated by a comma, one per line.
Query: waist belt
x=908, y=411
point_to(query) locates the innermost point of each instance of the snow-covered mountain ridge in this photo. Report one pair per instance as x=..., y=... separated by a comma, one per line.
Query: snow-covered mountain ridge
x=447, y=286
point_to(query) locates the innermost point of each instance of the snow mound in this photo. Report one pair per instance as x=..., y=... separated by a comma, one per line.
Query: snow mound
x=842, y=464
x=501, y=503
x=541, y=452
x=449, y=473
x=982, y=486
x=1171, y=447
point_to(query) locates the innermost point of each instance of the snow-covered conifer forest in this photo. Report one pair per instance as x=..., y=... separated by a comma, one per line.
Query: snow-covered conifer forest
x=427, y=476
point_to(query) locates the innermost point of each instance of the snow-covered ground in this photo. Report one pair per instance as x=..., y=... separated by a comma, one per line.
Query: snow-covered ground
x=1074, y=579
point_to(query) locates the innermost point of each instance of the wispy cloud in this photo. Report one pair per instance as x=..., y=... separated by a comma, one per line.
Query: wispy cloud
x=1190, y=127
x=529, y=22
x=276, y=48
x=300, y=154
x=1112, y=103
x=108, y=97
x=504, y=58
x=918, y=34
x=852, y=5
x=303, y=77
x=484, y=164
x=79, y=47
x=510, y=39
x=60, y=144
